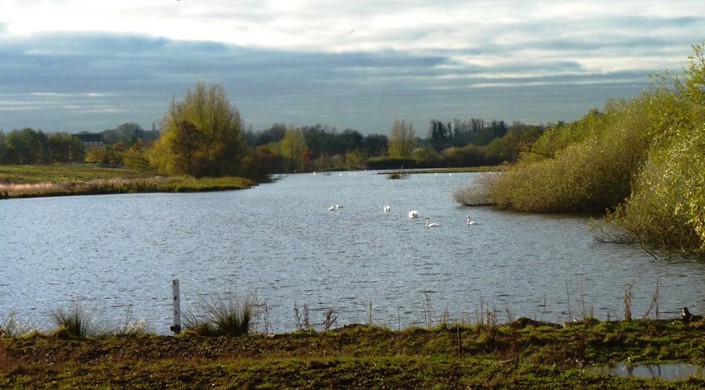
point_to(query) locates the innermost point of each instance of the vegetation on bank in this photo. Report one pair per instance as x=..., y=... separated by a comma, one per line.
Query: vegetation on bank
x=521, y=354
x=232, y=346
x=640, y=161
x=20, y=181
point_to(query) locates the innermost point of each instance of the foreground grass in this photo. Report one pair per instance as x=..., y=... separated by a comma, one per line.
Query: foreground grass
x=359, y=357
x=21, y=181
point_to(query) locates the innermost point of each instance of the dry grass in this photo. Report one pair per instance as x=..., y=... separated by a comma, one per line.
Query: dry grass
x=479, y=192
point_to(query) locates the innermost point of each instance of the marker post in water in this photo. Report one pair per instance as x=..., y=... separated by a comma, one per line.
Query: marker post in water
x=176, y=327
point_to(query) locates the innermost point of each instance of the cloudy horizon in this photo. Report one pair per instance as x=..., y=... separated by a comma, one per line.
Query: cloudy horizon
x=71, y=65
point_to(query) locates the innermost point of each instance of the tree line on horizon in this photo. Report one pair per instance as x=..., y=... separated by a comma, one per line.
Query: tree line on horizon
x=460, y=144
x=30, y=146
x=203, y=135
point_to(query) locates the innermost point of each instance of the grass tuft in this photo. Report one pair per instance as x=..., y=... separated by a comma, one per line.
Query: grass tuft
x=73, y=323
x=224, y=317
x=130, y=327
x=11, y=327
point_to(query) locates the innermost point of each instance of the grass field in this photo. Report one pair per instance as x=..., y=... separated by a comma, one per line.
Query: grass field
x=359, y=356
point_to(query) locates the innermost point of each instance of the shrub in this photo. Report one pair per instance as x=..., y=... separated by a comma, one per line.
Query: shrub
x=668, y=203
x=642, y=161
x=479, y=192
x=585, y=167
x=667, y=206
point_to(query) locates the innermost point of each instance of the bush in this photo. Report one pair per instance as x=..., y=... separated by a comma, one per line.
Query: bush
x=641, y=161
x=668, y=204
x=478, y=193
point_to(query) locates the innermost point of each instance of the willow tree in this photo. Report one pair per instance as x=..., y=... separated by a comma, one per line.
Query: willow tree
x=292, y=147
x=402, y=139
x=201, y=135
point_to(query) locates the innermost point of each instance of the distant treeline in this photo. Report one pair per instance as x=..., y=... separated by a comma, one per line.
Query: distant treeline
x=456, y=143
x=286, y=148
x=30, y=146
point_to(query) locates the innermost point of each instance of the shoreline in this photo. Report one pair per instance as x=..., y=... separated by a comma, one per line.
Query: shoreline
x=519, y=354
x=119, y=185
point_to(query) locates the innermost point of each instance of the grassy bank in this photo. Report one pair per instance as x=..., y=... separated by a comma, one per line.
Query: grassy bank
x=520, y=354
x=19, y=181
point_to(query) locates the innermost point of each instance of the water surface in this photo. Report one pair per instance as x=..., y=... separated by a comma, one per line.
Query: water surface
x=117, y=255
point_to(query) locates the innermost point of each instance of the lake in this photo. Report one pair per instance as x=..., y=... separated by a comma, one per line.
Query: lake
x=117, y=255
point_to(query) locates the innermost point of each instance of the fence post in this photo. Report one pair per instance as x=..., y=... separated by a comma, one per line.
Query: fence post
x=176, y=327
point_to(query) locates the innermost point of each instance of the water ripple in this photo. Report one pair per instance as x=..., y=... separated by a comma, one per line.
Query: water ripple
x=120, y=252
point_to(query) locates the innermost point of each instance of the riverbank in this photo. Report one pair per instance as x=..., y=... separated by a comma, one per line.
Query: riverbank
x=491, y=168
x=518, y=355
x=23, y=181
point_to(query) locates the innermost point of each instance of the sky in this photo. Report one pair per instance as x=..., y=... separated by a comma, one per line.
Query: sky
x=71, y=65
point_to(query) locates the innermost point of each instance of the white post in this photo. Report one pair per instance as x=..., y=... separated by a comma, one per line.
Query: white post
x=176, y=327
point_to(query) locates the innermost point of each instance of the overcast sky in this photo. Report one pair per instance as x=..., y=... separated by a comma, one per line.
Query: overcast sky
x=70, y=65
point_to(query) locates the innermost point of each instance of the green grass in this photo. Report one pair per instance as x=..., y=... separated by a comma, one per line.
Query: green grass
x=359, y=356
x=64, y=173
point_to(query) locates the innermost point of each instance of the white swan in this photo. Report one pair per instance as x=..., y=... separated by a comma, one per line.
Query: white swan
x=469, y=222
x=386, y=208
x=338, y=206
x=413, y=214
x=331, y=208
x=430, y=225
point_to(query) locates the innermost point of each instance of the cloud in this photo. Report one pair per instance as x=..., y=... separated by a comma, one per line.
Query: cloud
x=72, y=65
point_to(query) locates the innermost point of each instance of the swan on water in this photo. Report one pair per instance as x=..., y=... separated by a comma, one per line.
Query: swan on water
x=413, y=214
x=430, y=225
x=331, y=208
x=469, y=222
x=386, y=208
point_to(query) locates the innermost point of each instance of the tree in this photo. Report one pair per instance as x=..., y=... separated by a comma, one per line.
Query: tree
x=692, y=82
x=135, y=157
x=26, y=146
x=292, y=148
x=260, y=162
x=3, y=147
x=441, y=134
x=351, y=140
x=188, y=146
x=375, y=145
x=264, y=137
x=64, y=148
x=402, y=139
x=202, y=135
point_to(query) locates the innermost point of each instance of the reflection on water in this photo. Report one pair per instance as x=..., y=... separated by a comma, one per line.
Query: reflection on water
x=666, y=371
x=119, y=253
